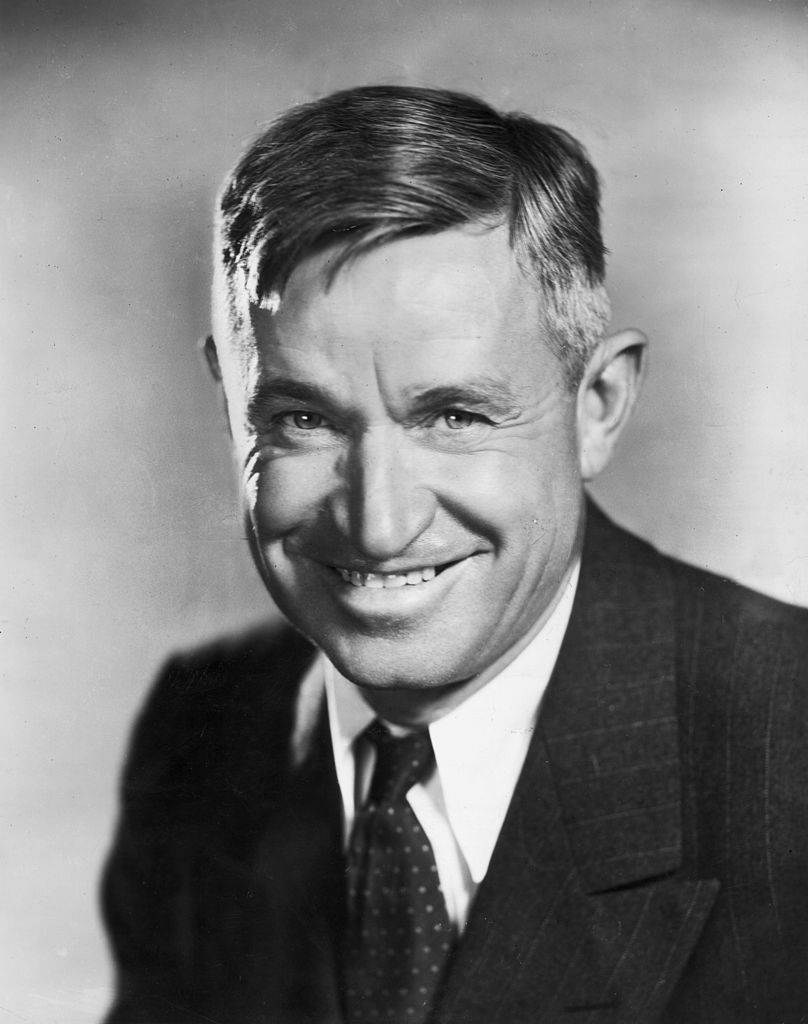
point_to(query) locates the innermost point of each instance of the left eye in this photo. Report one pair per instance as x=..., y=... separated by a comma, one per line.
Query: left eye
x=457, y=419
x=305, y=420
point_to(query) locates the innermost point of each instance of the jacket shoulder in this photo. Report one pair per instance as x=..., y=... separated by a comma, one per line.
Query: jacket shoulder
x=721, y=622
x=225, y=660
x=709, y=607
x=741, y=656
x=214, y=723
x=701, y=589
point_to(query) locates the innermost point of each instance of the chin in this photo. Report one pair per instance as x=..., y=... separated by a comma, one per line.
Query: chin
x=380, y=666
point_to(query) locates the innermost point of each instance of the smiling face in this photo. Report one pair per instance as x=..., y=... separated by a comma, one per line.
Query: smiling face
x=410, y=461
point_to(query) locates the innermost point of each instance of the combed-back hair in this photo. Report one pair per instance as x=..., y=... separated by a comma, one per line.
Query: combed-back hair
x=364, y=166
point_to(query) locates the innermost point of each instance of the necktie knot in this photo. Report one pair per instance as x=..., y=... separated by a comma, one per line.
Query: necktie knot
x=401, y=761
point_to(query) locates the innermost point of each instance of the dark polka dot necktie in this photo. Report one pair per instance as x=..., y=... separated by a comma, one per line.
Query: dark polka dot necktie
x=398, y=932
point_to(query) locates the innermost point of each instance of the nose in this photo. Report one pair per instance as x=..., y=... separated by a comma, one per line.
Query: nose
x=386, y=502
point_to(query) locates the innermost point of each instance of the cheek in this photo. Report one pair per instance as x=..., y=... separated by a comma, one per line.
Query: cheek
x=508, y=489
x=287, y=493
x=529, y=503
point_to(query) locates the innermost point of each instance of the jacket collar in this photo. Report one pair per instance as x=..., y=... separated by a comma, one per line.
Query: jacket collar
x=609, y=717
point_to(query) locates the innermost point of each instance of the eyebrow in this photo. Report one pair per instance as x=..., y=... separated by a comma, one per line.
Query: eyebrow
x=284, y=389
x=491, y=393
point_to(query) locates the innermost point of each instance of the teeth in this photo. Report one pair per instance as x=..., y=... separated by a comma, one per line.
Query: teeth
x=388, y=580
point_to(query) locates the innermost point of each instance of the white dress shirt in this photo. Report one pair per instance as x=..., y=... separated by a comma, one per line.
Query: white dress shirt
x=480, y=747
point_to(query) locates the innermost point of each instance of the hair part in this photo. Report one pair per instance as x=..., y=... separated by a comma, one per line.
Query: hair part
x=365, y=166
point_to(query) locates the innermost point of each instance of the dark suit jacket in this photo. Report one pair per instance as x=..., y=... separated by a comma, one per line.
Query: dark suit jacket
x=653, y=865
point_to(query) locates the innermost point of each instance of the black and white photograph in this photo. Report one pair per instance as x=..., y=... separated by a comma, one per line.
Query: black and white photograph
x=404, y=512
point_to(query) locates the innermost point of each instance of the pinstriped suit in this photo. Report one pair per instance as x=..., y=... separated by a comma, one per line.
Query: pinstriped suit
x=653, y=865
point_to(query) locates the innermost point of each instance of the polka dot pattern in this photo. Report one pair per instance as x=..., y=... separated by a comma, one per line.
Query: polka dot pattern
x=399, y=936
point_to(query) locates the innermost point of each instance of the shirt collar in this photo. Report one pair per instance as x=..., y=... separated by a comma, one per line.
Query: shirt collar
x=492, y=727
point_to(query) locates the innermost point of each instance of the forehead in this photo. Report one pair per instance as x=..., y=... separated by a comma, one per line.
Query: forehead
x=415, y=305
x=464, y=263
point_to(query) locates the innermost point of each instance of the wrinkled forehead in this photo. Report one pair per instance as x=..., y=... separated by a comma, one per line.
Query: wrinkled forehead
x=328, y=259
x=453, y=273
x=426, y=310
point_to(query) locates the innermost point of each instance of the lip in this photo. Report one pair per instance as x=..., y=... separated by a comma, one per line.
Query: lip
x=392, y=568
x=401, y=599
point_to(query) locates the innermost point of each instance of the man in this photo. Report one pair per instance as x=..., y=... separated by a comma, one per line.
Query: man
x=511, y=764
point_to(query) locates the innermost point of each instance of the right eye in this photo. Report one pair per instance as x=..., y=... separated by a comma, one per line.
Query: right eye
x=302, y=420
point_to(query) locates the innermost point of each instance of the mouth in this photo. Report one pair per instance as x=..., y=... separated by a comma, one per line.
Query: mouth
x=391, y=580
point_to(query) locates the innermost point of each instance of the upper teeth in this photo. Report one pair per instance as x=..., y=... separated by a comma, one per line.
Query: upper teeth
x=388, y=580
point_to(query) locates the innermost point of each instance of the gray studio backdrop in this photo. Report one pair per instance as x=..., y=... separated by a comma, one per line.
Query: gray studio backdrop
x=120, y=534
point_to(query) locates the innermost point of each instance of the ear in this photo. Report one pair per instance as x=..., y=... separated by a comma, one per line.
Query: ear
x=208, y=346
x=606, y=397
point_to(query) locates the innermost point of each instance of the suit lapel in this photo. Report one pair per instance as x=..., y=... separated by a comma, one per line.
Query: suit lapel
x=610, y=718
x=530, y=887
x=581, y=915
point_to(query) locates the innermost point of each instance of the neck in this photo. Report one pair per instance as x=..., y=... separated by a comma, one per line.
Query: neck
x=416, y=709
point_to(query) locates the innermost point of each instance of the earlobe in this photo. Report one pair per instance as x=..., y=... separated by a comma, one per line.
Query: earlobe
x=606, y=397
x=208, y=346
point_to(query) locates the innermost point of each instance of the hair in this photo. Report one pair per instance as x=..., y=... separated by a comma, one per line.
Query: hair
x=365, y=166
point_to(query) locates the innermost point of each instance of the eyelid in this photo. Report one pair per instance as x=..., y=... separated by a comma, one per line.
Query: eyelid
x=295, y=410
x=473, y=414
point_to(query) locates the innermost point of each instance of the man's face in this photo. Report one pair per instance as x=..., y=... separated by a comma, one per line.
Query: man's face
x=410, y=459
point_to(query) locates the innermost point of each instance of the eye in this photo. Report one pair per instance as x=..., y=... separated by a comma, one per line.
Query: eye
x=303, y=420
x=458, y=419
